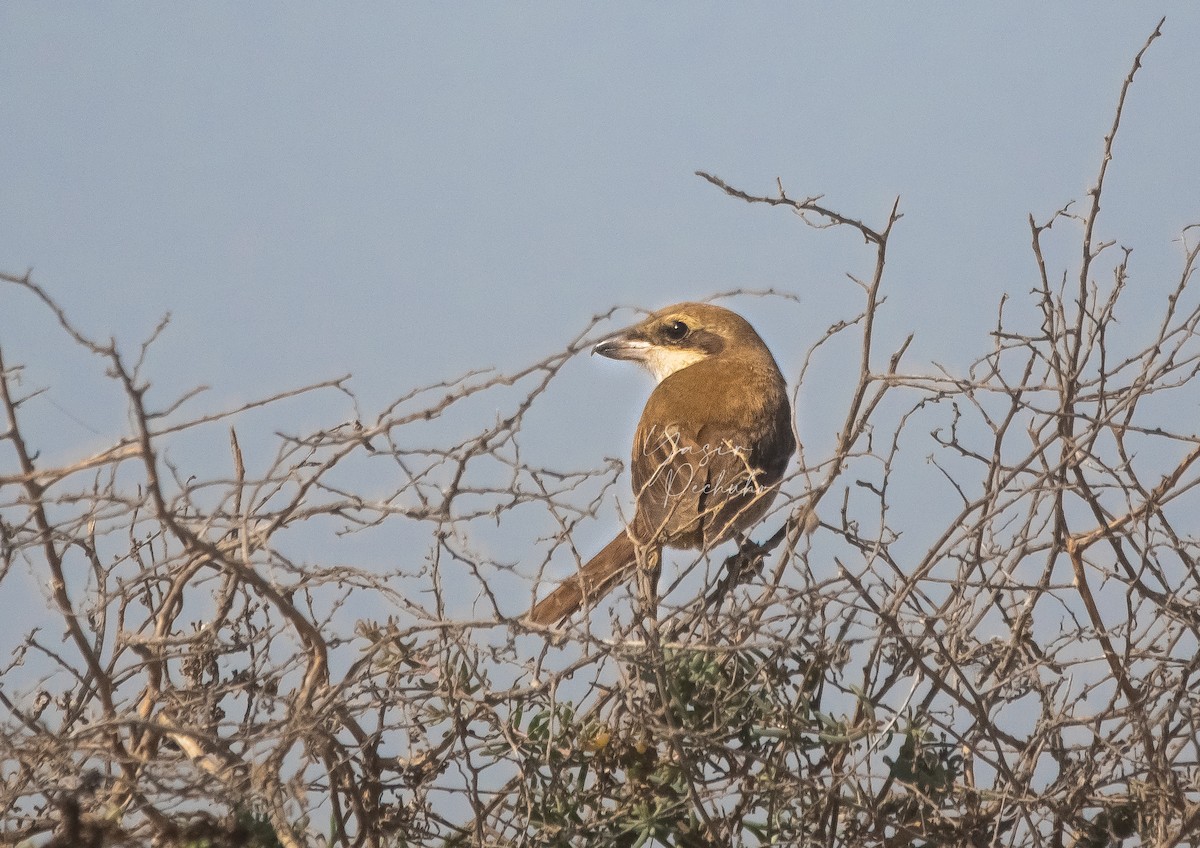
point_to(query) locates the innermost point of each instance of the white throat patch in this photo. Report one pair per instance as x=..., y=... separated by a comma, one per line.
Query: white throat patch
x=663, y=362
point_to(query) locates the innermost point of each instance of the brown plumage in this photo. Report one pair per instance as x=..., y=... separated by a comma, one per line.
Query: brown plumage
x=710, y=450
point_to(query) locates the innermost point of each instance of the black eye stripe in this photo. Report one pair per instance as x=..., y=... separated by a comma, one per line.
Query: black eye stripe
x=675, y=330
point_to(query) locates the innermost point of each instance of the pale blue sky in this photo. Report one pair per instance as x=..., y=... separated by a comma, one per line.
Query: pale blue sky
x=403, y=190
x=406, y=191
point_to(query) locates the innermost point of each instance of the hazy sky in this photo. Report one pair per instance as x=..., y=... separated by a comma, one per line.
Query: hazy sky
x=406, y=191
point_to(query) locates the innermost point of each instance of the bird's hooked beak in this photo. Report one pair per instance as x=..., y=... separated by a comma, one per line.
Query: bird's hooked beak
x=624, y=346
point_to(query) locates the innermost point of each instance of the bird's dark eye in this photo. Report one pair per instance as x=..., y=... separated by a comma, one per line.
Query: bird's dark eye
x=676, y=330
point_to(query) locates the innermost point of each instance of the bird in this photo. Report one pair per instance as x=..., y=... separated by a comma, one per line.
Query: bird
x=709, y=453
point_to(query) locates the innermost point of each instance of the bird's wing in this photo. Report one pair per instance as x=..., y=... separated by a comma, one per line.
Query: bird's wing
x=692, y=487
x=703, y=470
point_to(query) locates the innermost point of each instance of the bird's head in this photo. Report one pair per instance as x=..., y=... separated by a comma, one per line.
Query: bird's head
x=673, y=338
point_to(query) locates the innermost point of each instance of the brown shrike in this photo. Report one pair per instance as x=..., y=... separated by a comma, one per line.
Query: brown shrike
x=710, y=451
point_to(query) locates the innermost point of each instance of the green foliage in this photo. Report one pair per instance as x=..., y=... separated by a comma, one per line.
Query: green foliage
x=695, y=725
x=248, y=829
x=930, y=767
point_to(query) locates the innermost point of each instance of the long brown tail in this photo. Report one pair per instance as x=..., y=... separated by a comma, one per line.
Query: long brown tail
x=595, y=580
